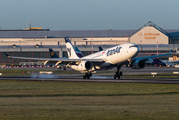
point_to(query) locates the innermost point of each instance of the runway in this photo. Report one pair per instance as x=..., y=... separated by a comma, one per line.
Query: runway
x=99, y=77
x=103, y=79
x=126, y=70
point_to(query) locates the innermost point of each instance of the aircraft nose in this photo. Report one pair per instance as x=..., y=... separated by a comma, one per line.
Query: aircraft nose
x=135, y=51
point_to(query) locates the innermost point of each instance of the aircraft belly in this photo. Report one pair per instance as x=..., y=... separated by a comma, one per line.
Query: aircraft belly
x=105, y=65
x=75, y=67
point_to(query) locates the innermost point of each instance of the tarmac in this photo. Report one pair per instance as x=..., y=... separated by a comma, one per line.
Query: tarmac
x=99, y=77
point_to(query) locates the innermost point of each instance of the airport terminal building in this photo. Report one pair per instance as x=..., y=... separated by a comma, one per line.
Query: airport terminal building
x=36, y=43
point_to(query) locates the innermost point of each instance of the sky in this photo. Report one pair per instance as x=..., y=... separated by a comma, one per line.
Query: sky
x=88, y=14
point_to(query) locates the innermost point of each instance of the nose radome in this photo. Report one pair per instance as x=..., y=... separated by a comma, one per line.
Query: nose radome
x=136, y=51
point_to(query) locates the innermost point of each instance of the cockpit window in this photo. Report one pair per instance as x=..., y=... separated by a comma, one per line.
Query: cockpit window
x=132, y=46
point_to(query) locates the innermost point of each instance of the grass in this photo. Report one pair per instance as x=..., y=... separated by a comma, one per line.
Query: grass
x=82, y=100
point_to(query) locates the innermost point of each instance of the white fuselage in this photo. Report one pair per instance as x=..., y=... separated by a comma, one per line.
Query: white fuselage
x=114, y=55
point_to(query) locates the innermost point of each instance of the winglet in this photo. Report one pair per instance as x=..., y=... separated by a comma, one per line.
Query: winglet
x=7, y=55
x=171, y=50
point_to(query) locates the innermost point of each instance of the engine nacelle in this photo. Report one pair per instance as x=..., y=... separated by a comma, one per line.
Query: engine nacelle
x=86, y=65
x=138, y=64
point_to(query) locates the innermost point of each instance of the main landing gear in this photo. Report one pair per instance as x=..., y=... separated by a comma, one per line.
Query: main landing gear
x=87, y=75
x=118, y=74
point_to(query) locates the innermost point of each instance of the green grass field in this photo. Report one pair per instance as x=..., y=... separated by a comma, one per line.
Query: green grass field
x=24, y=100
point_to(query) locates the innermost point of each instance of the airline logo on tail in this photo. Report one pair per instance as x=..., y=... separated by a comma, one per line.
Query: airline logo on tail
x=78, y=52
x=69, y=51
x=52, y=53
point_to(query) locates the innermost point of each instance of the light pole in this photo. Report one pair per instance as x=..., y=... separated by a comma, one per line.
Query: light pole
x=157, y=44
x=92, y=43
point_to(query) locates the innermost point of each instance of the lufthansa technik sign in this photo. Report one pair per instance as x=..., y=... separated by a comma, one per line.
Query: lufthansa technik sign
x=149, y=35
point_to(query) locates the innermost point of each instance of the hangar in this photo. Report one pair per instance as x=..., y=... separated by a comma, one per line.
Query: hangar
x=35, y=43
x=149, y=33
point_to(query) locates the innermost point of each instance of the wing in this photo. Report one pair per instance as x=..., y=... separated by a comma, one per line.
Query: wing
x=155, y=56
x=63, y=60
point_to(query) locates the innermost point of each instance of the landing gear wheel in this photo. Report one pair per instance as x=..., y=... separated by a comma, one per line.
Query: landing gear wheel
x=120, y=73
x=84, y=76
x=117, y=75
x=90, y=74
x=87, y=76
x=114, y=76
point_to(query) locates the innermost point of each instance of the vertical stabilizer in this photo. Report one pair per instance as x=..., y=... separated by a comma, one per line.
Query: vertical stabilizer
x=100, y=49
x=78, y=52
x=70, y=50
x=53, y=54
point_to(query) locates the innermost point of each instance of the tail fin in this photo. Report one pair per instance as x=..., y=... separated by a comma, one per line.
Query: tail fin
x=159, y=62
x=78, y=52
x=53, y=54
x=70, y=50
x=171, y=50
x=100, y=49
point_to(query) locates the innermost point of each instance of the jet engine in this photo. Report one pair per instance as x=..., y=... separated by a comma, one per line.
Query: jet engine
x=85, y=65
x=138, y=64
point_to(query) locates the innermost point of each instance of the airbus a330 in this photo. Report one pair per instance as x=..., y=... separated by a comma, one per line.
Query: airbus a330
x=102, y=60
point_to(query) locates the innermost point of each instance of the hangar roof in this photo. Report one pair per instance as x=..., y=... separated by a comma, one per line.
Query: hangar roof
x=74, y=33
x=64, y=33
x=173, y=33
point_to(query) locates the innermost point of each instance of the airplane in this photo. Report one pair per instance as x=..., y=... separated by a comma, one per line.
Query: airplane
x=103, y=60
x=155, y=61
x=158, y=62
